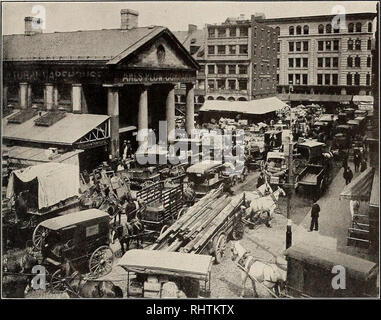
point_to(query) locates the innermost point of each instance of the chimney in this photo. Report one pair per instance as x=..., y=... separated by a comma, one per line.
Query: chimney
x=192, y=28
x=32, y=25
x=259, y=16
x=129, y=19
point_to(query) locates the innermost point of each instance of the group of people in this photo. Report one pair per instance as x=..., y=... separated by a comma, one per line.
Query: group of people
x=360, y=164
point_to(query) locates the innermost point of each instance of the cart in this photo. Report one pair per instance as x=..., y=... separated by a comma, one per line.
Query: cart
x=73, y=241
x=156, y=272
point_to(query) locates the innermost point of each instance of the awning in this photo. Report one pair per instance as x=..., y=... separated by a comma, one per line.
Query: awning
x=260, y=106
x=360, y=188
x=375, y=193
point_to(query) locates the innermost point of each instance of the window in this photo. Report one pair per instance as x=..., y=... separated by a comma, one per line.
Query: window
x=64, y=92
x=357, y=79
x=291, y=30
x=321, y=29
x=298, y=46
x=350, y=62
x=290, y=78
x=221, y=84
x=242, y=69
x=357, y=62
x=221, y=69
x=328, y=28
x=277, y=30
x=278, y=47
x=232, y=84
x=350, y=44
x=297, y=62
x=368, y=62
x=242, y=84
x=306, y=29
x=358, y=44
x=351, y=27
x=210, y=49
x=211, y=69
x=320, y=62
x=211, y=84
x=297, y=79
x=305, y=62
x=232, y=69
x=369, y=45
x=305, y=78
x=305, y=45
x=336, y=27
x=202, y=68
x=243, y=31
x=328, y=45
x=298, y=30
x=335, y=62
x=277, y=62
x=221, y=32
x=328, y=62
x=335, y=78
x=211, y=32
x=349, y=79
x=319, y=79
x=221, y=49
x=370, y=26
x=358, y=27
x=233, y=32
x=232, y=49
x=291, y=46
x=243, y=48
x=277, y=78
x=290, y=62
x=327, y=79
x=336, y=45
x=320, y=45
x=368, y=79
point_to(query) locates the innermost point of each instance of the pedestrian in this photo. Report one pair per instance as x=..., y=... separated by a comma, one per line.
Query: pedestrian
x=364, y=165
x=357, y=161
x=344, y=158
x=347, y=175
x=261, y=179
x=315, y=217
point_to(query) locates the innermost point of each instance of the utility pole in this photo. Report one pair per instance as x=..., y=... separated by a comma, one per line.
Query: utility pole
x=290, y=188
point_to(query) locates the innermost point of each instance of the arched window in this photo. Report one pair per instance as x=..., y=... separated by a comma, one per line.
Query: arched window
x=357, y=79
x=350, y=27
x=358, y=44
x=328, y=28
x=210, y=98
x=221, y=98
x=298, y=30
x=349, y=79
x=357, y=62
x=201, y=99
x=350, y=62
x=242, y=99
x=231, y=99
x=306, y=29
x=368, y=79
x=321, y=29
x=350, y=44
x=277, y=30
x=368, y=62
x=291, y=30
x=370, y=26
x=358, y=27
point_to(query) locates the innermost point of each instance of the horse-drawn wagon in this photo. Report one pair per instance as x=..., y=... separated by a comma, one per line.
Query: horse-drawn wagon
x=160, y=274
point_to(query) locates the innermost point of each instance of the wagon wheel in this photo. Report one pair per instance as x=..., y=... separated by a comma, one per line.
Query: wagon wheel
x=101, y=261
x=219, y=248
x=238, y=231
x=39, y=235
x=57, y=281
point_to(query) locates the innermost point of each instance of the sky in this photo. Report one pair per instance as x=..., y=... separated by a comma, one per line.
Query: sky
x=175, y=15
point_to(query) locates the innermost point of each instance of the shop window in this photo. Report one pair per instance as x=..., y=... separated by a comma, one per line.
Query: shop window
x=37, y=93
x=358, y=44
x=291, y=30
x=211, y=69
x=349, y=79
x=321, y=29
x=320, y=45
x=357, y=79
x=358, y=27
x=305, y=45
x=298, y=30
x=351, y=27
x=211, y=50
x=319, y=79
x=357, y=62
x=350, y=62
x=243, y=49
x=328, y=28
x=335, y=78
x=291, y=46
x=232, y=69
x=368, y=62
x=64, y=92
x=306, y=29
x=221, y=49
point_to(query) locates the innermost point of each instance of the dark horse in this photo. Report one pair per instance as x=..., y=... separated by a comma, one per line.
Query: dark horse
x=124, y=233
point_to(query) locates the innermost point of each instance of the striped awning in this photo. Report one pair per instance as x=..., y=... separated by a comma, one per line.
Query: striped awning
x=360, y=188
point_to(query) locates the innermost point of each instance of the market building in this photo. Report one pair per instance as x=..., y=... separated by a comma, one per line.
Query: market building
x=90, y=90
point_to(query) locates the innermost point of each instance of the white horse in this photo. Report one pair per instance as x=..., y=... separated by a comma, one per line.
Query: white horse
x=270, y=275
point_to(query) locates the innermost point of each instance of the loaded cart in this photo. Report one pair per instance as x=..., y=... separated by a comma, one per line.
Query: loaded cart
x=160, y=274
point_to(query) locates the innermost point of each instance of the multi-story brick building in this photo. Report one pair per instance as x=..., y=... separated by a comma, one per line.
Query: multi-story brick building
x=321, y=63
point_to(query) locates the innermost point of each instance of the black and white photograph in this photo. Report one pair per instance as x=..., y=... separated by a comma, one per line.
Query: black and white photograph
x=190, y=150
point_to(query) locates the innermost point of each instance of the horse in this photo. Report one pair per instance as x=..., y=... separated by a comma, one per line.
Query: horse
x=270, y=275
x=125, y=231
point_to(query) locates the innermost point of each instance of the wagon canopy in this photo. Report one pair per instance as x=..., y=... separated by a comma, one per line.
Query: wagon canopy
x=55, y=182
x=203, y=166
x=360, y=188
x=172, y=263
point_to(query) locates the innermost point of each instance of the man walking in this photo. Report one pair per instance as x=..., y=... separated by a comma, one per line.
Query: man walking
x=347, y=175
x=364, y=165
x=357, y=161
x=315, y=217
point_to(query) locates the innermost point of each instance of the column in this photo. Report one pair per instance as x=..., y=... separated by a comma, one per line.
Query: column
x=5, y=96
x=29, y=96
x=170, y=114
x=55, y=97
x=49, y=96
x=113, y=112
x=189, y=111
x=76, y=97
x=23, y=92
x=143, y=113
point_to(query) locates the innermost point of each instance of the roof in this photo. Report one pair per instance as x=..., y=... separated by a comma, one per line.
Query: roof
x=260, y=106
x=151, y=261
x=360, y=187
x=311, y=143
x=203, y=166
x=327, y=258
x=71, y=219
x=188, y=39
x=65, y=132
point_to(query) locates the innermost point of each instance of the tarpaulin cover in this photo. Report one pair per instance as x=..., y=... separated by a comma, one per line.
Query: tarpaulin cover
x=360, y=187
x=56, y=182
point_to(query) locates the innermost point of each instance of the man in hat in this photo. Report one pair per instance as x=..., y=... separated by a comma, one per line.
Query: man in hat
x=315, y=216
